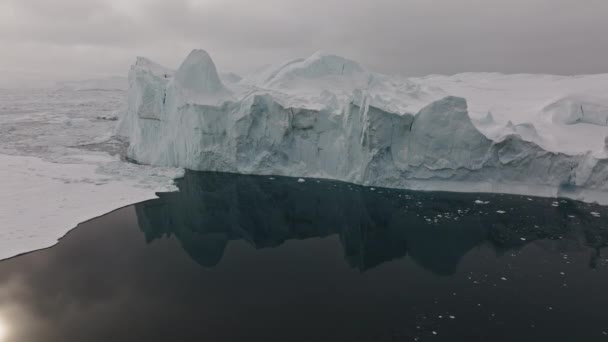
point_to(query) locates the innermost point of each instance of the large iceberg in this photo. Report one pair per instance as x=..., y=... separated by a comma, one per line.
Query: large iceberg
x=329, y=117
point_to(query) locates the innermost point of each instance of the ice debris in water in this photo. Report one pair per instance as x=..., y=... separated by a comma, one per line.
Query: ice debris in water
x=501, y=212
x=301, y=180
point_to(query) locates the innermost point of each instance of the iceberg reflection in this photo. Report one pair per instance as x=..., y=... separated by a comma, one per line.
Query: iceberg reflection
x=374, y=225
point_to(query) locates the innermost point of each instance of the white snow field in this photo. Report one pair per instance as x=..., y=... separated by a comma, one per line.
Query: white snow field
x=60, y=166
x=328, y=117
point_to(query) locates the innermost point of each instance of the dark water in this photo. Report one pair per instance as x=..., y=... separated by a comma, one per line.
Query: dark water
x=241, y=258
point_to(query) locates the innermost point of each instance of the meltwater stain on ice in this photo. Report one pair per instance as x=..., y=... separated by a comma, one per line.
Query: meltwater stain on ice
x=258, y=258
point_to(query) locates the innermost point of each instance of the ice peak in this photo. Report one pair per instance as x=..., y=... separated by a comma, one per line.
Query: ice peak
x=198, y=74
x=324, y=55
x=320, y=54
x=153, y=67
x=319, y=65
x=143, y=61
x=334, y=64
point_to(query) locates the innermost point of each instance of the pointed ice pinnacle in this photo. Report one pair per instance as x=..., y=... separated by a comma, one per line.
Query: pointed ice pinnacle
x=198, y=74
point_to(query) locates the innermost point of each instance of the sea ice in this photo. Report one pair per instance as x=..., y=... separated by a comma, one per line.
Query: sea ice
x=60, y=164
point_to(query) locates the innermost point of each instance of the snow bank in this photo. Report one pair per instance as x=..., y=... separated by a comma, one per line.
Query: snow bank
x=328, y=117
x=575, y=109
x=42, y=201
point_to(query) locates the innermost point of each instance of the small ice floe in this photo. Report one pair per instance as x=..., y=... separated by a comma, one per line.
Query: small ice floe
x=604, y=333
x=562, y=273
x=596, y=214
x=529, y=199
x=434, y=332
x=301, y=180
x=501, y=212
x=550, y=308
x=482, y=202
x=503, y=279
x=271, y=178
x=373, y=189
x=571, y=216
x=452, y=317
x=522, y=239
x=555, y=204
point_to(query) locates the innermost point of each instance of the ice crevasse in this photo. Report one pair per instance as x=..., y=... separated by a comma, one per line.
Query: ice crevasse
x=328, y=117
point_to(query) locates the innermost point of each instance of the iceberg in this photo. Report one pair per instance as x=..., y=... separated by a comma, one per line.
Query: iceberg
x=328, y=117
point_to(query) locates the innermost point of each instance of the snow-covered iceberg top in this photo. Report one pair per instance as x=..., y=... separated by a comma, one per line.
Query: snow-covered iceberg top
x=326, y=116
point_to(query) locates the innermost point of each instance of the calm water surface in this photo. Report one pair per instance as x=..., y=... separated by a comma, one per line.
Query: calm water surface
x=243, y=258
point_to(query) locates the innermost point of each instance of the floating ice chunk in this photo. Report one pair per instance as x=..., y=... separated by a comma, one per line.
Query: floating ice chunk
x=326, y=115
x=301, y=180
x=501, y=211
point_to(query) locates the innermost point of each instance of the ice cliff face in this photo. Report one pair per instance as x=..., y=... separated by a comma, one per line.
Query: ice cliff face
x=328, y=117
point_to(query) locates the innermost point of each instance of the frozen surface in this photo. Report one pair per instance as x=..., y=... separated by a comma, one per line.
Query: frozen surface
x=549, y=103
x=60, y=165
x=327, y=116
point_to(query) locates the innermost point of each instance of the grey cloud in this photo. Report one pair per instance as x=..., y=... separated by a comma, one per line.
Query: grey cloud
x=414, y=37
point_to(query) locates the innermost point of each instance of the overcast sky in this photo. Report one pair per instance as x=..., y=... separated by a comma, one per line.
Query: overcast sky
x=61, y=39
